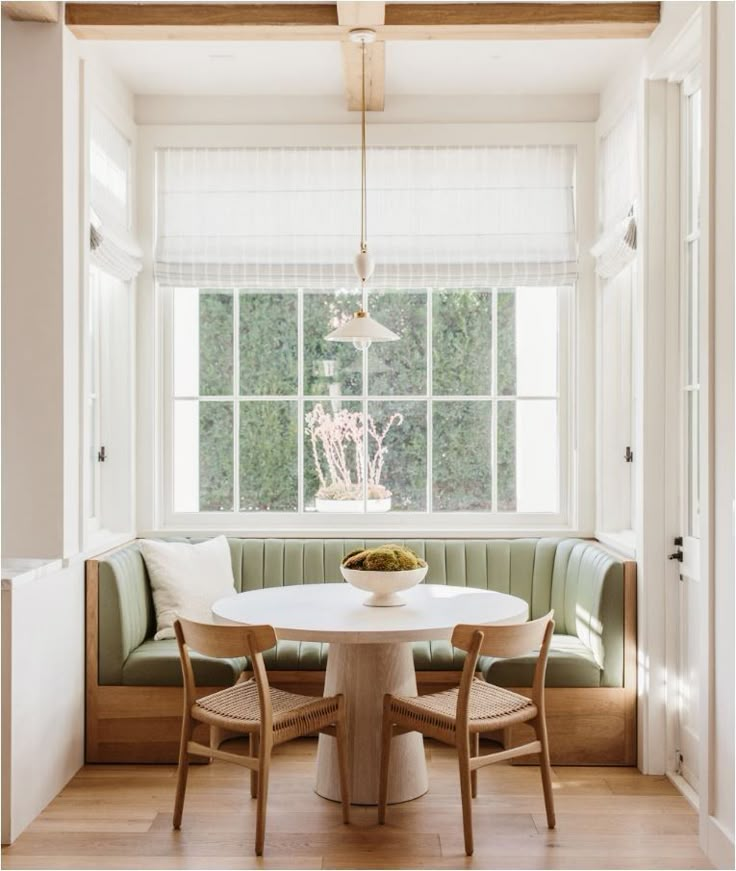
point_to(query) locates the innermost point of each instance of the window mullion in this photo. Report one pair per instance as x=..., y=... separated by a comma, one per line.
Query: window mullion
x=300, y=401
x=430, y=388
x=236, y=403
x=494, y=403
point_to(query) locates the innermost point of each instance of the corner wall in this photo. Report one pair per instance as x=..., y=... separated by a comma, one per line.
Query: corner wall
x=33, y=285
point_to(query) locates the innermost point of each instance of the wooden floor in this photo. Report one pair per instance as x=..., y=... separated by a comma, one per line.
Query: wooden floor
x=120, y=817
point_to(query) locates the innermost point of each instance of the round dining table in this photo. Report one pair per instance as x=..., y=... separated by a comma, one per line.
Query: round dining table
x=370, y=654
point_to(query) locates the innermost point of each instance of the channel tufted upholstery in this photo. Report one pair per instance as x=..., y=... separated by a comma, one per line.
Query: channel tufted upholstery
x=578, y=579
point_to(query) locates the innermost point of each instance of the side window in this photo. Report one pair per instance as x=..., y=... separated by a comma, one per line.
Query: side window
x=114, y=260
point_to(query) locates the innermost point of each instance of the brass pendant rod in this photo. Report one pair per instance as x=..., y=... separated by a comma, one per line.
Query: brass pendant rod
x=363, y=182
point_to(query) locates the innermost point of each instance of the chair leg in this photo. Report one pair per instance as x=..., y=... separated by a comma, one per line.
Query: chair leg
x=263, y=771
x=540, y=727
x=386, y=738
x=475, y=740
x=342, y=756
x=463, y=758
x=182, y=770
x=253, y=751
x=217, y=735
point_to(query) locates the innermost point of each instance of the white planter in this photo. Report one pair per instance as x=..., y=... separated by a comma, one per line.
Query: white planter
x=385, y=586
x=351, y=506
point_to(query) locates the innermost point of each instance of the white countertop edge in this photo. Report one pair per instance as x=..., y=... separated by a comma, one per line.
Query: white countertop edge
x=16, y=572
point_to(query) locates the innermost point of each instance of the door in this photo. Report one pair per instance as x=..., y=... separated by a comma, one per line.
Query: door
x=686, y=555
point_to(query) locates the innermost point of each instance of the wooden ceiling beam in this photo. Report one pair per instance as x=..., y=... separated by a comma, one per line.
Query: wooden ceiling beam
x=31, y=11
x=365, y=14
x=319, y=21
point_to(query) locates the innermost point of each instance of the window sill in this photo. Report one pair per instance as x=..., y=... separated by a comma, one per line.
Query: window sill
x=367, y=531
x=623, y=543
x=99, y=542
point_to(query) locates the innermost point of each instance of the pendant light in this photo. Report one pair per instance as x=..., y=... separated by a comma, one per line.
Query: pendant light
x=361, y=329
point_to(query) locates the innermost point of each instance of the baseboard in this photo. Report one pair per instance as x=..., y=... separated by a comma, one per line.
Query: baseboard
x=681, y=785
x=719, y=846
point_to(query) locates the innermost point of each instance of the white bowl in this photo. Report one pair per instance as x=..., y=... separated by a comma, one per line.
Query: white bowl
x=384, y=586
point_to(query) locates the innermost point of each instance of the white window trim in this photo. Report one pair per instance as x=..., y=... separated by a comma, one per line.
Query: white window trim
x=383, y=522
x=576, y=464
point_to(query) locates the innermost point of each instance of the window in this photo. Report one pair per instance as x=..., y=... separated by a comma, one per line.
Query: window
x=690, y=284
x=469, y=414
x=617, y=266
x=463, y=414
x=113, y=261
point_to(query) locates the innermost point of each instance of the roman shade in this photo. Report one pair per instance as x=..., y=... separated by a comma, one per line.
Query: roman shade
x=268, y=218
x=112, y=246
x=617, y=244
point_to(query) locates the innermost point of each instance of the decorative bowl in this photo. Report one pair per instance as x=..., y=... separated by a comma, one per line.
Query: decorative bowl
x=385, y=586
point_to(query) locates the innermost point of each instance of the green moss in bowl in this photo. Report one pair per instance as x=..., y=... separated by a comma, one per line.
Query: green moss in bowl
x=385, y=558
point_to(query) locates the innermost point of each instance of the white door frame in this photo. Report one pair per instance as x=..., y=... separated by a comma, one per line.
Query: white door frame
x=661, y=290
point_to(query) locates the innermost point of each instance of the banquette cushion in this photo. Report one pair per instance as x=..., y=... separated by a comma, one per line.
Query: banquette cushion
x=577, y=578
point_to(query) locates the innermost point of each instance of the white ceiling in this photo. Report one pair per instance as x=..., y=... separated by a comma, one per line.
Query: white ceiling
x=315, y=68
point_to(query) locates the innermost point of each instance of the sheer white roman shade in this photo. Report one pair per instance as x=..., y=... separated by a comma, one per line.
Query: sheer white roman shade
x=616, y=247
x=112, y=247
x=438, y=216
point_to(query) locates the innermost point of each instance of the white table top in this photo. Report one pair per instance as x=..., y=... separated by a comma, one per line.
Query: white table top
x=335, y=612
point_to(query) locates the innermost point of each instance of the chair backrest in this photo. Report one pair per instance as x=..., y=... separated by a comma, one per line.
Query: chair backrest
x=224, y=641
x=503, y=641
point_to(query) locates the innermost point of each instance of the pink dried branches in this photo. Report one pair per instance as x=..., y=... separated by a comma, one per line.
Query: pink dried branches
x=339, y=442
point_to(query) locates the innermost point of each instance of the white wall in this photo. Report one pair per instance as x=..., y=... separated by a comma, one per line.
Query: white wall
x=150, y=109
x=32, y=284
x=43, y=691
x=720, y=836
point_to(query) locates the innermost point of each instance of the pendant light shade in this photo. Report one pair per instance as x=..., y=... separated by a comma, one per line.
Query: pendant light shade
x=361, y=329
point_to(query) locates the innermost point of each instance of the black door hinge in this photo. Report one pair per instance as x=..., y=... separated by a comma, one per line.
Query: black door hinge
x=101, y=455
x=628, y=454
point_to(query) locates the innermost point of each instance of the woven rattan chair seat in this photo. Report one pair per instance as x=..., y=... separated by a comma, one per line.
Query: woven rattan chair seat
x=291, y=712
x=488, y=705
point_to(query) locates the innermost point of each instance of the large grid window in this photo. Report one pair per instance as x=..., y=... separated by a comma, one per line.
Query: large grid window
x=466, y=413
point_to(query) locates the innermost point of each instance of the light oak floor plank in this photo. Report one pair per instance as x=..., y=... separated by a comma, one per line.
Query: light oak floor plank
x=119, y=816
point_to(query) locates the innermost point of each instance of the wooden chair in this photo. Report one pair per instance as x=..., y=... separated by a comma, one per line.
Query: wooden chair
x=268, y=716
x=459, y=716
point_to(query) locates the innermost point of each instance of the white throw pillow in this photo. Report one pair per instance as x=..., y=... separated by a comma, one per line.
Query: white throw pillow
x=186, y=579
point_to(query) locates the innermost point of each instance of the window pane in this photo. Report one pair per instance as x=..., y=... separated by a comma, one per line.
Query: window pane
x=399, y=368
x=203, y=456
x=461, y=342
x=268, y=343
x=215, y=456
x=693, y=467
x=461, y=456
x=268, y=456
x=527, y=342
x=402, y=466
x=333, y=461
x=536, y=450
x=330, y=368
x=185, y=303
x=693, y=315
x=506, y=455
x=215, y=344
x=694, y=158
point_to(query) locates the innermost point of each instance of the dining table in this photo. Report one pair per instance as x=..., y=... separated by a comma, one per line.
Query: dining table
x=370, y=654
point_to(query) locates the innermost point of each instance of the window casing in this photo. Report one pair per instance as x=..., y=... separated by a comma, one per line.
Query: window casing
x=575, y=363
x=479, y=379
x=108, y=423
